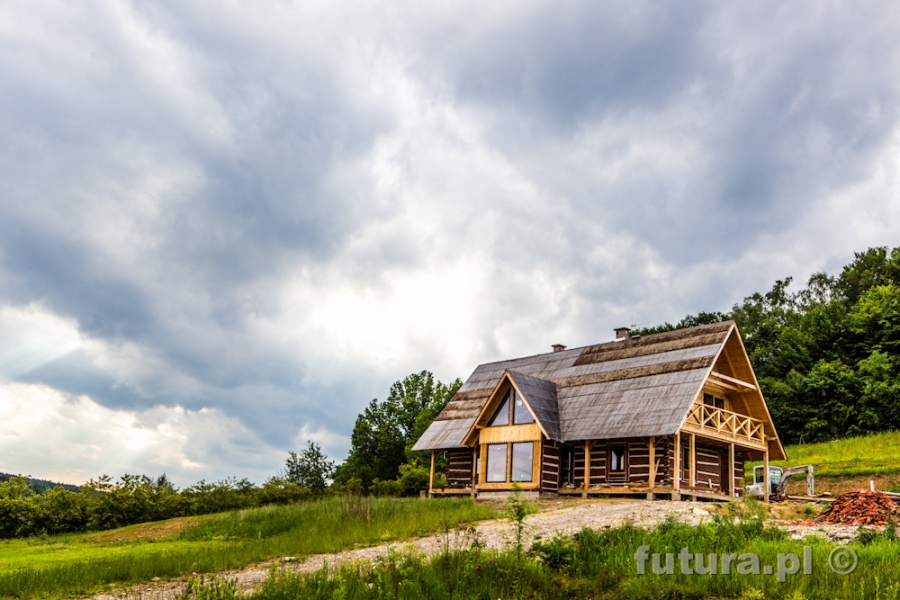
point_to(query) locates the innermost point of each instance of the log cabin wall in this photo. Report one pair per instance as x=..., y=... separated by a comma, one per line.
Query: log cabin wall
x=598, y=463
x=459, y=467
x=709, y=466
x=550, y=456
x=638, y=461
x=579, y=465
x=664, y=455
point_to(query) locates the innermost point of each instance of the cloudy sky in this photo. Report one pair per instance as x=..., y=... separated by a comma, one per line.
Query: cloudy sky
x=224, y=230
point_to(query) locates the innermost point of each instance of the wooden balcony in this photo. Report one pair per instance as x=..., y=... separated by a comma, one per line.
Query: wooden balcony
x=724, y=424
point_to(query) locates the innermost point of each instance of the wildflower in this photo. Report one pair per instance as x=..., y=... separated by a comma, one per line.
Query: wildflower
x=478, y=568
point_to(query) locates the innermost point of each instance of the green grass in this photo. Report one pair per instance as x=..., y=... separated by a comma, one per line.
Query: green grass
x=602, y=565
x=877, y=454
x=85, y=563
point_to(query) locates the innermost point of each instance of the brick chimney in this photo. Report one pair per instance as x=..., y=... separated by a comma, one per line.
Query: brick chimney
x=622, y=333
x=558, y=347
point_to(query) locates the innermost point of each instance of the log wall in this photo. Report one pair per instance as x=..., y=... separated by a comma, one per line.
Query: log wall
x=459, y=467
x=709, y=466
x=550, y=456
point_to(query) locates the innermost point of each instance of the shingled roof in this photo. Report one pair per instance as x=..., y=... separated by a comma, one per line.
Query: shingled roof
x=632, y=388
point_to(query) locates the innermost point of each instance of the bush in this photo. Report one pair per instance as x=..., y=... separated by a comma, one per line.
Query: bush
x=413, y=479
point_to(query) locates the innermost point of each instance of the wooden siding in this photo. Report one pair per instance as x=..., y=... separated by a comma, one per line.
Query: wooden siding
x=459, y=467
x=510, y=433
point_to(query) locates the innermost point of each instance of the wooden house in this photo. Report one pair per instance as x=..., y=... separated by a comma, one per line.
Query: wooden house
x=673, y=414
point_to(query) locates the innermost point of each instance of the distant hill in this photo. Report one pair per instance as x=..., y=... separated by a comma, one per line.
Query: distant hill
x=41, y=485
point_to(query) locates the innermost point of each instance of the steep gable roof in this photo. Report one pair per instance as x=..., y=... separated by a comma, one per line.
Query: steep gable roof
x=540, y=395
x=632, y=388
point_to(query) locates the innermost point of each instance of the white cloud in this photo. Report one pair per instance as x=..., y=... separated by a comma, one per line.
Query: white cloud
x=71, y=439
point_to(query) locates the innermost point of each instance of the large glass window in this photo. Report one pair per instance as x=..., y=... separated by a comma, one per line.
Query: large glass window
x=521, y=414
x=522, y=457
x=496, y=463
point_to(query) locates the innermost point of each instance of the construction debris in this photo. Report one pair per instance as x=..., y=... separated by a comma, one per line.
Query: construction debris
x=860, y=507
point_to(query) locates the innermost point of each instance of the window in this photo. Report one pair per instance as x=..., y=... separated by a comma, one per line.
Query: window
x=521, y=414
x=496, y=463
x=710, y=400
x=512, y=410
x=567, y=464
x=501, y=417
x=522, y=456
x=617, y=458
x=520, y=468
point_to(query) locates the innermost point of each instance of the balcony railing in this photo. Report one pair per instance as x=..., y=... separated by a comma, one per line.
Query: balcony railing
x=704, y=418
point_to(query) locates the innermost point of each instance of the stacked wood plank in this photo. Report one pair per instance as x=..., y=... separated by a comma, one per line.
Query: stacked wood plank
x=860, y=507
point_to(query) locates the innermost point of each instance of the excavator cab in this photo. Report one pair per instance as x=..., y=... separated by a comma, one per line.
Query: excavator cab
x=778, y=481
x=756, y=490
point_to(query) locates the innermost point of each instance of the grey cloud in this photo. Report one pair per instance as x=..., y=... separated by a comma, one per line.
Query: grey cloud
x=167, y=169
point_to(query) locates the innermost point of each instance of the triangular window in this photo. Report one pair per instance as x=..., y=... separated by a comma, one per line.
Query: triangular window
x=512, y=411
x=521, y=414
x=501, y=417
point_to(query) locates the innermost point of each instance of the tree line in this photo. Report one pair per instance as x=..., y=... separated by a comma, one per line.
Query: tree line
x=106, y=504
x=827, y=355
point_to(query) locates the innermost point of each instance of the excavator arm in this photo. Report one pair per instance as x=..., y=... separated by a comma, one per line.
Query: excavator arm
x=781, y=488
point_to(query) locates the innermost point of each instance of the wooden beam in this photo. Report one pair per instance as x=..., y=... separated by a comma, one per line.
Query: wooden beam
x=474, y=469
x=733, y=380
x=431, y=476
x=766, y=491
x=587, y=468
x=651, y=481
x=676, y=479
x=692, y=449
x=731, y=470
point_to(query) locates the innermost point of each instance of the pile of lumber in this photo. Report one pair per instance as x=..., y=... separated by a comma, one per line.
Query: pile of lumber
x=860, y=507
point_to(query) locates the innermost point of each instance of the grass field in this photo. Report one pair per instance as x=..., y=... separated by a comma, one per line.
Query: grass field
x=84, y=563
x=603, y=565
x=846, y=464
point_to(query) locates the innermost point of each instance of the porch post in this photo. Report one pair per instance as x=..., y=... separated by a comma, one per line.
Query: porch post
x=676, y=479
x=651, y=480
x=431, y=476
x=731, y=470
x=587, y=468
x=474, y=469
x=766, y=483
x=692, y=476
